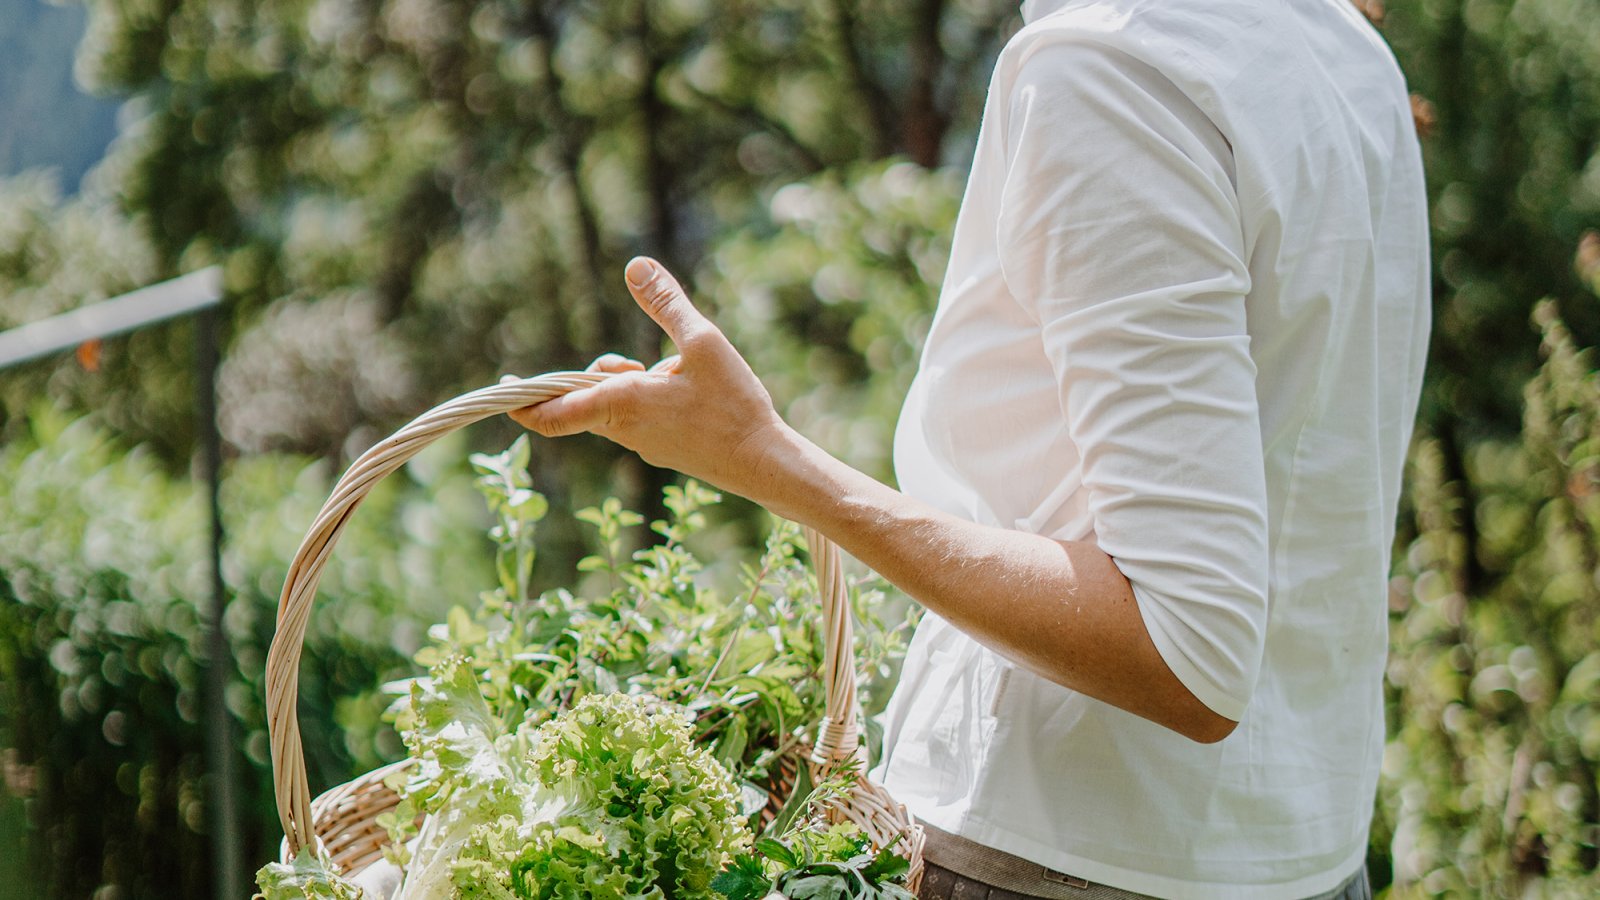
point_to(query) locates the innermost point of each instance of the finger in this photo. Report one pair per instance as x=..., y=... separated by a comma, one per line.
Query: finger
x=559, y=417
x=658, y=293
x=615, y=362
x=667, y=363
x=589, y=409
x=507, y=379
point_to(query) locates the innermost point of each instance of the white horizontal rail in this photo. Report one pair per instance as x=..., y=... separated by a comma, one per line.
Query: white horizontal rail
x=164, y=300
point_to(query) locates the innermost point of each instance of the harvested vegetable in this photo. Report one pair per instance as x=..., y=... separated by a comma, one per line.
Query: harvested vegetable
x=615, y=743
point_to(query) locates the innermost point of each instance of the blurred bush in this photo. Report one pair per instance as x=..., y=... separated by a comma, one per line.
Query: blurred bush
x=1490, y=777
x=103, y=583
x=460, y=183
x=832, y=296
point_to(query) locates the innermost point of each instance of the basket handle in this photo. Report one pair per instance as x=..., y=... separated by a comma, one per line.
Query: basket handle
x=837, y=738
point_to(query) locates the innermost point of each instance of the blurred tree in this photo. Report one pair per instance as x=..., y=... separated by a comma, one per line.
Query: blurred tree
x=833, y=298
x=1514, y=177
x=462, y=182
x=57, y=255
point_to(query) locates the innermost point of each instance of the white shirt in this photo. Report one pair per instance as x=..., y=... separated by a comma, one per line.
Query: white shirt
x=1185, y=316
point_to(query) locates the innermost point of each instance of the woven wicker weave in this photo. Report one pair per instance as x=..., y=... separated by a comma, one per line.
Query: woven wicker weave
x=344, y=819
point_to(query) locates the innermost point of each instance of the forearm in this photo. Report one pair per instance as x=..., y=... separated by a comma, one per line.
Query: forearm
x=1060, y=609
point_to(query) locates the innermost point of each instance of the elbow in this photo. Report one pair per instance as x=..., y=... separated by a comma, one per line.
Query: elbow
x=1207, y=728
x=1183, y=712
x=1169, y=703
x=1204, y=676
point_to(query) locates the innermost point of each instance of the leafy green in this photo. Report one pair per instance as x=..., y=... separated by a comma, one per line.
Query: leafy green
x=470, y=777
x=612, y=798
x=650, y=813
x=653, y=622
x=816, y=862
x=308, y=877
x=612, y=743
x=866, y=875
x=745, y=878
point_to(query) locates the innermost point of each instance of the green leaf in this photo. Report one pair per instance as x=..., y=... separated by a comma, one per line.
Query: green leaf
x=731, y=745
x=752, y=799
x=816, y=887
x=308, y=877
x=519, y=453
x=777, y=852
x=887, y=865
x=530, y=505
x=463, y=631
x=745, y=878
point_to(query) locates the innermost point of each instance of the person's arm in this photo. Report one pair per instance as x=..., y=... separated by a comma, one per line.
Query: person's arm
x=1060, y=609
x=1120, y=234
x=1123, y=234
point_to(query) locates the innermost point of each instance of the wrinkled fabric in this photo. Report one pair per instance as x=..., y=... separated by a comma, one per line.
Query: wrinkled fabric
x=1185, y=316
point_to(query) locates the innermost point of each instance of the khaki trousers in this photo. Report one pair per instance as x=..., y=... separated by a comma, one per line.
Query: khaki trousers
x=955, y=868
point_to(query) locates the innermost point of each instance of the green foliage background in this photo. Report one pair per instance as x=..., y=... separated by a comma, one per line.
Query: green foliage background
x=409, y=197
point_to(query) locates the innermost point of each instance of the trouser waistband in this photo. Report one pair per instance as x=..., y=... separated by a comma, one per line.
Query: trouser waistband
x=959, y=868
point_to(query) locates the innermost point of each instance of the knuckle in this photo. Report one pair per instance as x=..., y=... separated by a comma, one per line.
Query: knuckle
x=661, y=289
x=660, y=294
x=621, y=408
x=546, y=419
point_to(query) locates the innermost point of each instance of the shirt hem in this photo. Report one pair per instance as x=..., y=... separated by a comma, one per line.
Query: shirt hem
x=976, y=829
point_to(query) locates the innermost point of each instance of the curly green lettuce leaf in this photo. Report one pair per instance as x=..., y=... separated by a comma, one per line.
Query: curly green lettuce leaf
x=308, y=877
x=650, y=813
x=472, y=779
x=454, y=737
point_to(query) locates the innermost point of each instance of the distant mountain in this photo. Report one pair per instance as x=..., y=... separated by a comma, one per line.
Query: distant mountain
x=46, y=121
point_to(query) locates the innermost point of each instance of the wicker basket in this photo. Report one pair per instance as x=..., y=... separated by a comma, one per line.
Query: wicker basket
x=344, y=820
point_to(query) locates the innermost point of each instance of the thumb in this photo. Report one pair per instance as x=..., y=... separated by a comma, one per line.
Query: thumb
x=658, y=293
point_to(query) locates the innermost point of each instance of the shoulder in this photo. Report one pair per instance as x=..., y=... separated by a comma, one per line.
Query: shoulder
x=1187, y=39
x=1251, y=67
x=1139, y=52
x=1147, y=64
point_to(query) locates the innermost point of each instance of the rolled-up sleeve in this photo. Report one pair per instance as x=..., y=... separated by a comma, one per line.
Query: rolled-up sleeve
x=1120, y=231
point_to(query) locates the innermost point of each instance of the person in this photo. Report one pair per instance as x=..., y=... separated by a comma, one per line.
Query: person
x=1150, y=463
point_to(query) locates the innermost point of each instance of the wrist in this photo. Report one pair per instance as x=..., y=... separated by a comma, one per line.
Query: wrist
x=766, y=460
x=803, y=483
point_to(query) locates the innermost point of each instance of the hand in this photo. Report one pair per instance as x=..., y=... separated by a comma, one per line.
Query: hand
x=703, y=412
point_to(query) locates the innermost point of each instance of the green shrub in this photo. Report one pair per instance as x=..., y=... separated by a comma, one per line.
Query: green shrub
x=102, y=585
x=1490, y=776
